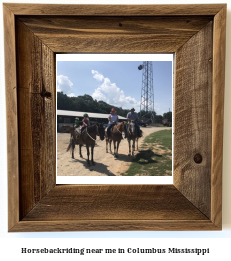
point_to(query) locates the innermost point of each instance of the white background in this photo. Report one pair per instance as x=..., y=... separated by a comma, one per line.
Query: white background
x=218, y=242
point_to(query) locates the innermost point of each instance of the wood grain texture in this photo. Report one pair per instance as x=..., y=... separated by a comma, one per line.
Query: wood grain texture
x=218, y=114
x=115, y=10
x=12, y=117
x=114, y=207
x=194, y=201
x=114, y=225
x=193, y=118
x=115, y=34
x=36, y=103
x=113, y=202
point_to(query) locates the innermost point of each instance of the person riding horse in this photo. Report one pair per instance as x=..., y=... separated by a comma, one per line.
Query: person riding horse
x=86, y=122
x=76, y=125
x=132, y=116
x=112, y=120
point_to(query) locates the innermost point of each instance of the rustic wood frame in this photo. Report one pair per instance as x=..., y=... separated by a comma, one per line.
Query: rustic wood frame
x=33, y=33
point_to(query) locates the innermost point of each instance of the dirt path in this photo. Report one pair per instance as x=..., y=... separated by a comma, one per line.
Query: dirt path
x=106, y=163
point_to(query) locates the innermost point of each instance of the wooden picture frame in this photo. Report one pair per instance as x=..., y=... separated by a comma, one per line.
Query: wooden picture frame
x=33, y=34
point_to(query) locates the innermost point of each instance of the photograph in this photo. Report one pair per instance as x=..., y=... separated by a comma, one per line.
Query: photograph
x=114, y=117
x=115, y=126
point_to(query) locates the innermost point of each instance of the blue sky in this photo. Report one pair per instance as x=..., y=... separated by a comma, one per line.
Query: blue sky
x=115, y=80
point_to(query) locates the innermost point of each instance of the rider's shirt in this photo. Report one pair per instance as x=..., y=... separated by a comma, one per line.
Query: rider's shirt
x=86, y=121
x=112, y=118
x=132, y=116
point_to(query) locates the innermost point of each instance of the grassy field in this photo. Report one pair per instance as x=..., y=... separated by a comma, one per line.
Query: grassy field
x=154, y=157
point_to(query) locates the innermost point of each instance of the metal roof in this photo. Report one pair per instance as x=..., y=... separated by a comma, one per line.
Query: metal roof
x=90, y=114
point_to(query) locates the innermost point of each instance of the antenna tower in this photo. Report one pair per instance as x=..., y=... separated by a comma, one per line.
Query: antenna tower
x=147, y=94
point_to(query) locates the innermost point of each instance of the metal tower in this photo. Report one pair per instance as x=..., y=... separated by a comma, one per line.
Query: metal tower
x=147, y=94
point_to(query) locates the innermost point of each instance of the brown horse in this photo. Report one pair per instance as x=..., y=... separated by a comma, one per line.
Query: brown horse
x=132, y=136
x=116, y=137
x=88, y=138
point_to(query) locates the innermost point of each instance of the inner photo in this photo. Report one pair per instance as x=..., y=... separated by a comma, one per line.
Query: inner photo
x=114, y=117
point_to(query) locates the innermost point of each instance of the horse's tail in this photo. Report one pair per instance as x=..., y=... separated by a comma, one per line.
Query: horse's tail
x=71, y=144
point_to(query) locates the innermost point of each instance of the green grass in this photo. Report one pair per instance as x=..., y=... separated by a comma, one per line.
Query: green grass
x=154, y=157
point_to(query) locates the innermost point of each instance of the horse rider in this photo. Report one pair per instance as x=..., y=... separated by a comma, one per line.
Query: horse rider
x=132, y=116
x=112, y=120
x=76, y=122
x=86, y=122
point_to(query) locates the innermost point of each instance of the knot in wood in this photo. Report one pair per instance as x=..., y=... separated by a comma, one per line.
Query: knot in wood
x=198, y=158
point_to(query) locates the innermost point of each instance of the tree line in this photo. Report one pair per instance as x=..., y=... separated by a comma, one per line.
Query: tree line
x=86, y=103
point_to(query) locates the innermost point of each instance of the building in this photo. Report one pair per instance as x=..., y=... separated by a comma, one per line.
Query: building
x=68, y=117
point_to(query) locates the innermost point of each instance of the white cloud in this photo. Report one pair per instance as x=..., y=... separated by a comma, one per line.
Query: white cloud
x=97, y=75
x=71, y=95
x=98, y=95
x=64, y=85
x=111, y=94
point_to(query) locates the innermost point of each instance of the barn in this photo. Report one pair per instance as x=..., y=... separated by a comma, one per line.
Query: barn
x=68, y=117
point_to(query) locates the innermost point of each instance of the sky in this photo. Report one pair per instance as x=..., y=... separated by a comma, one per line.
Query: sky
x=115, y=79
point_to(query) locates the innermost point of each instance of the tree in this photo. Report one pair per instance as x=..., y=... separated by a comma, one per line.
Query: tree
x=158, y=119
x=86, y=103
x=168, y=116
x=63, y=101
x=146, y=116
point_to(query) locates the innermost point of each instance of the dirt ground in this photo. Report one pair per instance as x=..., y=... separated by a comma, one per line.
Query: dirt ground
x=105, y=163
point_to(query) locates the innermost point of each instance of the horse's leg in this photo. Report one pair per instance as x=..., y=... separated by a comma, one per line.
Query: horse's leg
x=106, y=145
x=117, y=149
x=114, y=143
x=73, y=147
x=129, y=146
x=80, y=151
x=88, y=153
x=133, y=146
x=92, y=152
x=110, y=145
x=137, y=144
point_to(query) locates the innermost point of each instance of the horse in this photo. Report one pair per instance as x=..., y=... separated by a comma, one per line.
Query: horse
x=116, y=137
x=88, y=138
x=132, y=136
